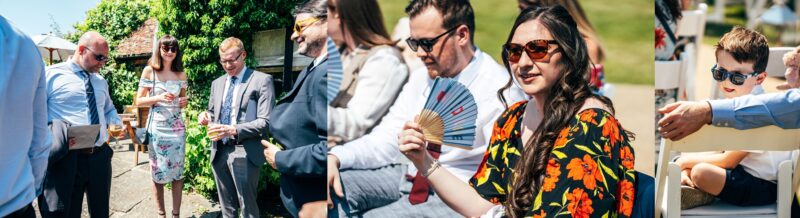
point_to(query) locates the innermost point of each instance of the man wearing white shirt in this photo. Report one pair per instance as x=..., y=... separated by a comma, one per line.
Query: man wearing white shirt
x=442, y=38
x=23, y=122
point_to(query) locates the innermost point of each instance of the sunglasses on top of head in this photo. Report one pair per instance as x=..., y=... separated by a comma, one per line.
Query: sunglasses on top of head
x=426, y=44
x=535, y=49
x=736, y=78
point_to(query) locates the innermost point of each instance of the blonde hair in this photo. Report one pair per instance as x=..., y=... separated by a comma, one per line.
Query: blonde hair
x=230, y=43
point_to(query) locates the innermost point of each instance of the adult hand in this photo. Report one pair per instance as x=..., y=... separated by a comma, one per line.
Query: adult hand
x=683, y=118
x=222, y=131
x=792, y=79
x=203, y=118
x=165, y=97
x=183, y=101
x=333, y=179
x=412, y=143
x=270, y=150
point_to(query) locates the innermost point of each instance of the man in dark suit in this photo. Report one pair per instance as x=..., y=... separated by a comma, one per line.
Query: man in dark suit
x=238, y=110
x=299, y=121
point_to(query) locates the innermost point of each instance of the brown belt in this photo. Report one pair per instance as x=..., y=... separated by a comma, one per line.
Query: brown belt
x=92, y=150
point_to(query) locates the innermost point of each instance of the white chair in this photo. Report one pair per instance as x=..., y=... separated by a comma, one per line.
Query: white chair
x=693, y=23
x=712, y=138
x=668, y=74
x=686, y=89
x=775, y=67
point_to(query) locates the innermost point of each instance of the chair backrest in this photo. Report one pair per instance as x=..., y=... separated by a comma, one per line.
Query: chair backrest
x=668, y=74
x=686, y=90
x=775, y=65
x=712, y=138
x=693, y=23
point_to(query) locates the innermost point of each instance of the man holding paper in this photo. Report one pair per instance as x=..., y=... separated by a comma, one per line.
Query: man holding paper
x=77, y=96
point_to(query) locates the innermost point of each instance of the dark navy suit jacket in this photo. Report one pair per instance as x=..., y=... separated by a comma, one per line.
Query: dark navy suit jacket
x=299, y=123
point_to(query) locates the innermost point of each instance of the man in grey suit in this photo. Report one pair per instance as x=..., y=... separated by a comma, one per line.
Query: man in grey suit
x=238, y=111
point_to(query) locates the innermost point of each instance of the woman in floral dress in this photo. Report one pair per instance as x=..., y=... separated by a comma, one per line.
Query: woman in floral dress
x=163, y=87
x=561, y=154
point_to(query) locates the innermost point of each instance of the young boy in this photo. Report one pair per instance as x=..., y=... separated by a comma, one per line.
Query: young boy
x=743, y=178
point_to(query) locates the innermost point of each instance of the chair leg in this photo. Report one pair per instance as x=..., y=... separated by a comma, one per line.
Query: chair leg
x=135, y=154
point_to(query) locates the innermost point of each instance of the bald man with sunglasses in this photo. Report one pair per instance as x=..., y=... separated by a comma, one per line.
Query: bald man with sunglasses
x=78, y=95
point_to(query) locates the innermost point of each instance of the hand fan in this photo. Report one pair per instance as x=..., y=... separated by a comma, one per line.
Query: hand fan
x=334, y=70
x=449, y=115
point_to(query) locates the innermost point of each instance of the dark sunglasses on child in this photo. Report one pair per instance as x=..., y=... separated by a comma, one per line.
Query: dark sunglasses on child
x=736, y=78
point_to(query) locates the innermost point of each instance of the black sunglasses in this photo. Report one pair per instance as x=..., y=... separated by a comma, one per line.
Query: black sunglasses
x=535, y=49
x=172, y=49
x=97, y=57
x=736, y=78
x=426, y=44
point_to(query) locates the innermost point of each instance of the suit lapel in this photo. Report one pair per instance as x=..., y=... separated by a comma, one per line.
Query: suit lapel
x=242, y=89
x=218, y=95
x=303, y=75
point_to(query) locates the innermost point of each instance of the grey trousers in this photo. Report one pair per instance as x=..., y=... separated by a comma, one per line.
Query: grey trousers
x=237, y=182
x=384, y=193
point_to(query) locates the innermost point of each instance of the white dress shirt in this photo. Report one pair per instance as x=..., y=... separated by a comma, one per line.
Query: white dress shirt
x=379, y=82
x=66, y=98
x=234, y=109
x=24, y=136
x=482, y=76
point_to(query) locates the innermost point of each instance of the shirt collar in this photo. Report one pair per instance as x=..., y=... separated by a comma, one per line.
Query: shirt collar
x=466, y=76
x=239, y=75
x=76, y=68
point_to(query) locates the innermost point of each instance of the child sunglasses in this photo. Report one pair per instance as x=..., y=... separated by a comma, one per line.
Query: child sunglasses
x=535, y=49
x=736, y=78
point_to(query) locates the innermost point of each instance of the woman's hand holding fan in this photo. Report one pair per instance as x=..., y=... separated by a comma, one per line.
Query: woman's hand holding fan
x=413, y=145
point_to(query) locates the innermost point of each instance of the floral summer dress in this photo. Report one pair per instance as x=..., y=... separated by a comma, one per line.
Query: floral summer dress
x=167, y=133
x=589, y=173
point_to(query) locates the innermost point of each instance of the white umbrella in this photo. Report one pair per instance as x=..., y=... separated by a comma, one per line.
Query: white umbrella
x=54, y=45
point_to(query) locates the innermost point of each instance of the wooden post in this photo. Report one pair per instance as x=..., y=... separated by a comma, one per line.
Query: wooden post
x=287, y=61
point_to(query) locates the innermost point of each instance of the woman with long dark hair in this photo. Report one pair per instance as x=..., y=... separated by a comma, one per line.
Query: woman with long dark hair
x=163, y=88
x=374, y=71
x=562, y=153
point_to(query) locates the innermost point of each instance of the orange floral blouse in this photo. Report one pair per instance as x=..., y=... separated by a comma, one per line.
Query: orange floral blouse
x=589, y=173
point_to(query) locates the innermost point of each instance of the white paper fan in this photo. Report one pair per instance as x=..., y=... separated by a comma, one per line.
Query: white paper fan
x=334, y=70
x=449, y=115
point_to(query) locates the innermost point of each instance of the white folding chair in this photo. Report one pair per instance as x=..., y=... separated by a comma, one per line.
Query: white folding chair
x=775, y=67
x=686, y=90
x=693, y=23
x=712, y=138
x=668, y=74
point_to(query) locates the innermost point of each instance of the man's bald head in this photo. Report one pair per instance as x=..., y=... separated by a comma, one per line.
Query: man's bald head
x=92, y=52
x=92, y=38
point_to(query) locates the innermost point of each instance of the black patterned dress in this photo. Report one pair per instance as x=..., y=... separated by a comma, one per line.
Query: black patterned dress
x=589, y=173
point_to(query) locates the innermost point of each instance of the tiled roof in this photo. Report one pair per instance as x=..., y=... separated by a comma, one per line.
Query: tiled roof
x=139, y=42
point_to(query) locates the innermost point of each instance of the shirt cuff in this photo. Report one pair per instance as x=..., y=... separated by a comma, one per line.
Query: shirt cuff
x=346, y=158
x=722, y=113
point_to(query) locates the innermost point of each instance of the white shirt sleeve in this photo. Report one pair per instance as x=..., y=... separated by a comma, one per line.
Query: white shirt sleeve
x=379, y=147
x=379, y=82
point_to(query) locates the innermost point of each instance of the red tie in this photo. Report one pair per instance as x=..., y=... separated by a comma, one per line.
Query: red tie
x=420, y=187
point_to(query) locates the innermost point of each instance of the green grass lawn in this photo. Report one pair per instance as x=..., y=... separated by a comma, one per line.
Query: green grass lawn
x=625, y=28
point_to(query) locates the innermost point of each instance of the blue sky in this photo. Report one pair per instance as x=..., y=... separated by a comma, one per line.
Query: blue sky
x=33, y=16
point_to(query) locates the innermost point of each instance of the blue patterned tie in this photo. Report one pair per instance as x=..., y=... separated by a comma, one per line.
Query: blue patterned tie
x=92, y=101
x=225, y=114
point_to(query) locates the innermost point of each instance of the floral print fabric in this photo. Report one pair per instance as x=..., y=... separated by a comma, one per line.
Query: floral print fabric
x=167, y=134
x=589, y=172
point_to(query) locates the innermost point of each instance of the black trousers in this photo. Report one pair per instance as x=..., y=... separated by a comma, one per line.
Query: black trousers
x=25, y=212
x=93, y=177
